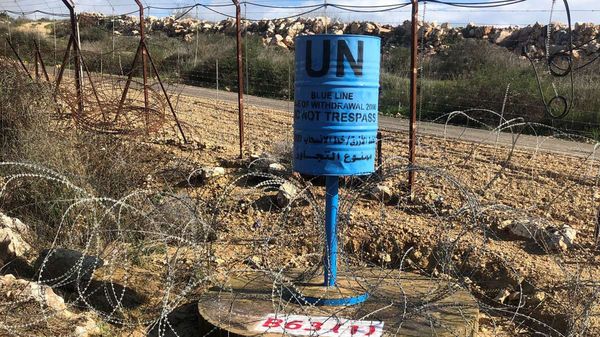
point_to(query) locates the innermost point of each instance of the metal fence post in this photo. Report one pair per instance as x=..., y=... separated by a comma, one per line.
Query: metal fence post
x=412, y=126
x=240, y=74
x=76, y=53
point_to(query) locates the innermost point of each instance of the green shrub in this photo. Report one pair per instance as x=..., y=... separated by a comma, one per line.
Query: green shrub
x=469, y=74
x=93, y=33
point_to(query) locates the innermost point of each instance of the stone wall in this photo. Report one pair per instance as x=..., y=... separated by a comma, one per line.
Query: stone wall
x=435, y=37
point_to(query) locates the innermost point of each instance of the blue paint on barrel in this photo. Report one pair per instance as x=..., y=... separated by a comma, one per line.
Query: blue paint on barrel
x=336, y=104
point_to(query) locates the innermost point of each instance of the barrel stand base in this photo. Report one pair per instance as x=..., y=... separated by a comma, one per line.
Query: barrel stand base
x=404, y=304
x=347, y=291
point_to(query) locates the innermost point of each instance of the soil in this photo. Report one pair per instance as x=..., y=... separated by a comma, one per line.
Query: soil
x=453, y=226
x=466, y=194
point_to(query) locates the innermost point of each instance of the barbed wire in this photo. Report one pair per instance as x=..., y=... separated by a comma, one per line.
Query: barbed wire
x=487, y=219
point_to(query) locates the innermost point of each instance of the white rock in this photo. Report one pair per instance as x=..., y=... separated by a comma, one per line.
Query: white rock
x=525, y=229
x=24, y=290
x=501, y=36
x=211, y=172
x=21, y=291
x=539, y=296
x=277, y=40
x=569, y=234
x=368, y=28
x=12, y=244
x=86, y=327
x=295, y=29
x=276, y=168
x=13, y=223
x=289, y=41
x=382, y=193
x=502, y=295
x=287, y=192
x=385, y=257
x=561, y=238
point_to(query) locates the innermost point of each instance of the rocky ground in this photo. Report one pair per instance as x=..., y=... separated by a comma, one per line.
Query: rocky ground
x=515, y=228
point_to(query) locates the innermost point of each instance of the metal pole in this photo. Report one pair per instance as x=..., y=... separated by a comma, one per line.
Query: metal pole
x=197, y=38
x=379, y=152
x=331, y=250
x=128, y=82
x=75, y=36
x=144, y=62
x=412, y=126
x=36, y=66
x=165, y=93
x=240, y=76
x=63, y=65
x=19, y=58
x=42, y=64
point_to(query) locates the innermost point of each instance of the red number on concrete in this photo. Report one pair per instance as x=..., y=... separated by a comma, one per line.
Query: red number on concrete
x=314, y=326
x=293, y=325
x=272, y=323
x=371, y=330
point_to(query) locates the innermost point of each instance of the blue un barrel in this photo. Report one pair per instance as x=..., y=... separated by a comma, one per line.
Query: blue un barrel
x=336, y=104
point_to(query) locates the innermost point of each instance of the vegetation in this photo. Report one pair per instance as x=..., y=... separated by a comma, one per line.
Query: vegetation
x=469, y=74
x=29, y=133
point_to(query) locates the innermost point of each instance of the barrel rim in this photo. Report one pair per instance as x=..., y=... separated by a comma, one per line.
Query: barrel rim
x=338, y=35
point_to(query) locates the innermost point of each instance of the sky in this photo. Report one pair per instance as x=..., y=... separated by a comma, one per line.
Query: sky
x=526, y=12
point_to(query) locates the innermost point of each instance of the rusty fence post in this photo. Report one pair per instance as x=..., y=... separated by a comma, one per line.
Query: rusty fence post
x=76, y=51
x=240, y=74
x=142, y=50
x=412, y=126
x=19, y=58
x=41, y=60
x=379, y=153
x=144, y=62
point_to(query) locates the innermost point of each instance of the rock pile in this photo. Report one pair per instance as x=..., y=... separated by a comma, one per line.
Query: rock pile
x=45, y=307
x=435, y=37
x=12, y=242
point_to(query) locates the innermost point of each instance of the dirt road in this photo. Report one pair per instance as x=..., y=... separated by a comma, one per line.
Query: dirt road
x=529, y=142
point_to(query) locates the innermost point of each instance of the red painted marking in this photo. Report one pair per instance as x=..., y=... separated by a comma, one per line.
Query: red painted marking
x=272, y=323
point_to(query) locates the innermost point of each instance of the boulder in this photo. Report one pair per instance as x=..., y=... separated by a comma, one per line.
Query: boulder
x=49, y=304
x=211, y=172
x=288, y=41
x=270, y=27
x=592, y=47
x=295, y=29
x=554, y=238
x=368, y=28
x=500, y=36
x=355, y=28
x=277, y=40
x=286, y=193
x=23, y=290
x=382, y=193
x=526, y=229
x=61, y=266
x=561, y=238
x=277, y=168
x=12, y=243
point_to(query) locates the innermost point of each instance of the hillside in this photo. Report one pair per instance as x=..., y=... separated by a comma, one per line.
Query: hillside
x=434, y=37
